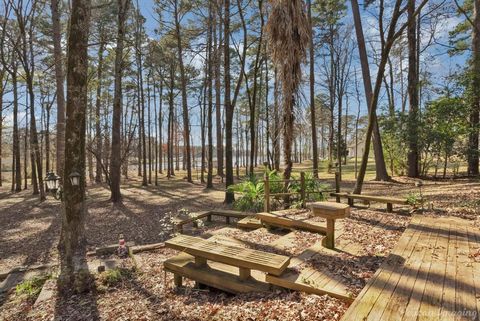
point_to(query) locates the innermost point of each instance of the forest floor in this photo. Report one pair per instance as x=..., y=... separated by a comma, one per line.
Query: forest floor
x=29, y=233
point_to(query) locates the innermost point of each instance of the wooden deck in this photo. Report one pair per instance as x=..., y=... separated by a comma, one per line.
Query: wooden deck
x=430, y=275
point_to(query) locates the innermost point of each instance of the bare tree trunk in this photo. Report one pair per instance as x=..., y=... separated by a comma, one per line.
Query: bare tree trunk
x=71, y=244
x=218, y=90
x=59, y=78
x=413, y=154
x=155, y=122
x=149, y=132
x=312, y=94
x=115, y=159
x=209, y=85
x=473, y=144
x=2, y=89
x=183, y=77
x=98, y=106
x=229, y=108
x=276, y=125
x=381, y=169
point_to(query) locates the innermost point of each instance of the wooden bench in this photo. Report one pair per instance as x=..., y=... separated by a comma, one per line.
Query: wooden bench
x=179, y=223
x=245, y=259
x=369, y=198
x=330, y=211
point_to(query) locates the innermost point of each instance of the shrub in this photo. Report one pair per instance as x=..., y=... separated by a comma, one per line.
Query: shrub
x=31, y=287
x=252, y=195
x=414, y=199
x=115, y=276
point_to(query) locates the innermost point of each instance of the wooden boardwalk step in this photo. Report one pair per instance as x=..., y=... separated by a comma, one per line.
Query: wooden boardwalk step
x=232, y=255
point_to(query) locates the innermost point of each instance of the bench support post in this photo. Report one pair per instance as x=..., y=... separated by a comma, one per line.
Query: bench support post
x=177, y=280
x=227, y=220
x=244, y=274
x=337, y=185
x=200, y=261
x=350, y=201
x=330, y=238
x=179, y=228
x=389, y=207
x=209, y=218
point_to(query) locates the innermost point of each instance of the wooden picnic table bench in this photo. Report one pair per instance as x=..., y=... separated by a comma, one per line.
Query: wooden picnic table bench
x=245, y=259
x=370, y=198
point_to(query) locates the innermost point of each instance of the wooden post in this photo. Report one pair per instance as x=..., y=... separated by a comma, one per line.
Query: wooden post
x=337, y=185
x=302, y=189
x=209, y=218
x=177, y=280
x=244, y=274
x=330, y=238
x=389, y=207
x=266, y=187
x=200, y=261
x=227, y=220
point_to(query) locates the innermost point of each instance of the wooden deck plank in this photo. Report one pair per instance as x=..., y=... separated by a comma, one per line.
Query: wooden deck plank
x=368, y=296
x=396, y=272
x=465, y=300
x=413, y=306
x=401, y=295
x=474, y=248
x=438, y=281
x=431, y=302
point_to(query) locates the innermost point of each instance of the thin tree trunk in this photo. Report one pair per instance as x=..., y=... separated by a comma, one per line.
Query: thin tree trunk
x=115, y=159
x=98, y=106
x=59, y=80
x=209, y=85
x=413, y=154
x=381, y=169
x=183, y=77
x=473, y=143
x=229, y=107
x=218, y=90
x=312, y=94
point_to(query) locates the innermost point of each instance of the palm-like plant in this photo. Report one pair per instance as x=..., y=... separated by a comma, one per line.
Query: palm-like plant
x=288, y=37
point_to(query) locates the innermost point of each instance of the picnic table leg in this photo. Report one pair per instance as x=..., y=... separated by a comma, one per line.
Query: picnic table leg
x=244, y=273
x=330, y=238
x=200, y=261
x=177, y=280
x=389, y=207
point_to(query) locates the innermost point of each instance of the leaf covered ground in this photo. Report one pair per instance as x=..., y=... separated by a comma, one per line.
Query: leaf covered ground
x=29, y=234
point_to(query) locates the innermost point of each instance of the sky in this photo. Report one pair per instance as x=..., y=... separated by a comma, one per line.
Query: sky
x=440, y=65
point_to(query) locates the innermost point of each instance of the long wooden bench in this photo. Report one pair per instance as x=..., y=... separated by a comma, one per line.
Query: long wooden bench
x=370, y=198
x=245, y=259
x=281, y=219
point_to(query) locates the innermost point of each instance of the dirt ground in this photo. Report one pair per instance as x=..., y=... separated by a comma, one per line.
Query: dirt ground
x=29, y=234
